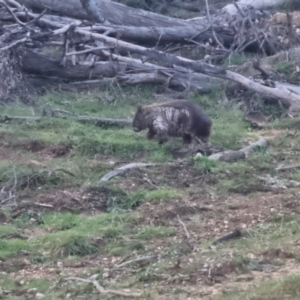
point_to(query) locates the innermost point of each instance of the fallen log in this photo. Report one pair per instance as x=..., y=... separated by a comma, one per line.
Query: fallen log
x=82, y=119
x=155, y=35
x=287, y=97
x=166, y=58
x=115, y=13
x=117, y=69
x=153, y=25
x=35, y=63
x=231, y=156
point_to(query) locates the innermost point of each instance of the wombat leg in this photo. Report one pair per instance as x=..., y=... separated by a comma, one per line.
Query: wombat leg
x=162, y=138
x=186, y=138
x=150, y=134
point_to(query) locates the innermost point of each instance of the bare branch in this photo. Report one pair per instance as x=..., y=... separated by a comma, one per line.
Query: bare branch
x=184, y=227
x=129, y=262
x=101, y=290
x=124, y=169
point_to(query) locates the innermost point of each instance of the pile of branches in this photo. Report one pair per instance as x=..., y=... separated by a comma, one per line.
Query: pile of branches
x=73, y=44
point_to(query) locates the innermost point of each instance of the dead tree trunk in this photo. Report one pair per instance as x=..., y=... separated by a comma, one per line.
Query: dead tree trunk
x=115, y=13
x=11, y=78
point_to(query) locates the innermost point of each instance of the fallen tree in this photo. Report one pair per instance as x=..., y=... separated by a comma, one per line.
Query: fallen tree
x=119, y=69
x=216, y=28
x=97, y=54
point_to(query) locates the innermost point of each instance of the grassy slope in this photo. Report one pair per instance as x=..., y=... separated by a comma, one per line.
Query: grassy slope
x=91, y=228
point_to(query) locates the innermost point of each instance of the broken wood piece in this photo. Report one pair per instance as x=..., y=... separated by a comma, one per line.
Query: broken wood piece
x=101, y=290
x=286, y=168
x=82, y=119
x=234, y=155
x=232, y=235
x=183, y=226
x=129, y=262
x=124, y=169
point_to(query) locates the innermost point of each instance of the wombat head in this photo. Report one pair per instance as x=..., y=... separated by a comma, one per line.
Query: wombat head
x=139, y=121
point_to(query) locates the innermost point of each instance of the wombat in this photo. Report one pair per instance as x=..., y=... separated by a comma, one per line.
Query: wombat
x=178, y=118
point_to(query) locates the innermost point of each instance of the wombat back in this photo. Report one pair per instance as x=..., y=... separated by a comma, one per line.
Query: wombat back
x=173, y=118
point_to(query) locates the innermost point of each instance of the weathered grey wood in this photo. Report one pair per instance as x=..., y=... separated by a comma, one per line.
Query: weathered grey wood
x=122, y=170
x=115, y=13
x=10, y=78
x=156, y=35
x=35, y=63
x=234, y=155
x=160, y=56
x=82, y=119
x=40, y=65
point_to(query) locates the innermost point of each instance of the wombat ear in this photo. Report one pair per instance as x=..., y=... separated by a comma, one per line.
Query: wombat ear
x=139, y=107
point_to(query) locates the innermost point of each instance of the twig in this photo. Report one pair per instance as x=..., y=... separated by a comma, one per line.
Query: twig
x=212, y=28
x=35, y=19
x=184, y=227
x=285, y=168
x=62, y=170
x=124, y=169
x=7, y=199
x=54, y=111
x=129, y=262
x=101, y=290
x=23, y=40
x=39, y=204
x=12, y=13
x=89, y=50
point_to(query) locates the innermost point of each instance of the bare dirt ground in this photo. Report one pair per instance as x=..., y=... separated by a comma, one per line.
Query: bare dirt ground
x=206, y=216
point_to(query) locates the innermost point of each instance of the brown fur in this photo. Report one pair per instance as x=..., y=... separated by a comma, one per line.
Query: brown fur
x=178, y=118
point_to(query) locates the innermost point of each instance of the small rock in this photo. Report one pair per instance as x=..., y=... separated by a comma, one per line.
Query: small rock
x=191, y=260
x=22, y=282
x=114, y=259
x=59, y=264
x=39, y=296
x=251, y=256
x=105, y=275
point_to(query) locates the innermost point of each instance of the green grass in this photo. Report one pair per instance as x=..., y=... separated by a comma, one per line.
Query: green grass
x=13, y=246
x=119, y=219
x=150, y=232
x=285, y=288
x=74, y=235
